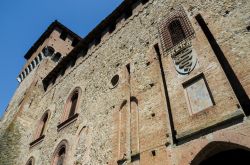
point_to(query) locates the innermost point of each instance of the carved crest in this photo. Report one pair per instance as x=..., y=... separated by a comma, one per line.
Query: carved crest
x=184, y=59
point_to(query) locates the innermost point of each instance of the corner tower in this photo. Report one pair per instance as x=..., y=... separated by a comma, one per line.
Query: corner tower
x=53, y=45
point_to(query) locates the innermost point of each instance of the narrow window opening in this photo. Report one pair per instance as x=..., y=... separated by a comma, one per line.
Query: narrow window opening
x=153, y=153
x=176, y=32
x=231, y=76
x=74, y=100
x=128, y=68
x=36, y=60
x=40, y=57
x=63, y=35
x=30, y=69
x=44, y=121
x=61, y=156
x=33, y=64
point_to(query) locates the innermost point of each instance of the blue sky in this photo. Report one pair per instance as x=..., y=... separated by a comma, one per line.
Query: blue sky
x=23, y=21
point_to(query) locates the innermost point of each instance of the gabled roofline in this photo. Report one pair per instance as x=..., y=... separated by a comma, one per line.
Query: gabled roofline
x=46, y=34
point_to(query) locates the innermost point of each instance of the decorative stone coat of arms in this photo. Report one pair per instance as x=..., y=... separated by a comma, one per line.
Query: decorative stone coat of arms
x=184, y=59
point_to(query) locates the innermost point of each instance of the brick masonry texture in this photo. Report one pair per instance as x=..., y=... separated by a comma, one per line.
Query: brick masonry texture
x=117, y=124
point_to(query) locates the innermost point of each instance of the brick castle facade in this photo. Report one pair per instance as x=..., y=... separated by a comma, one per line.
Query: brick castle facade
x=157, y=82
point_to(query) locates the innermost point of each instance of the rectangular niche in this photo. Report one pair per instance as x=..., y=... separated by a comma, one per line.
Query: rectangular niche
x=198, y=94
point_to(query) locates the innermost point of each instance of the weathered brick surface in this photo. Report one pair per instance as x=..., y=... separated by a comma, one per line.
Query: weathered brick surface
x=105, y=131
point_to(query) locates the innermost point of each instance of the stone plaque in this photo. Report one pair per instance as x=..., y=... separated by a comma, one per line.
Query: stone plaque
x=198, y=95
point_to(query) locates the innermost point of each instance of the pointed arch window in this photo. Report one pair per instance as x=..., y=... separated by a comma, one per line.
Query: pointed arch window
x=40, y=129
x=70, y=112
x=73, y=103
x=60, y=153
x=31, y=161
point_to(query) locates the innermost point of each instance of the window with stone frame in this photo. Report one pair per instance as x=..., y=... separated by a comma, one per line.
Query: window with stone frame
x=70, y=111
x=31, y=161
x=40, y=129
x=72, y=103
x=60, y=153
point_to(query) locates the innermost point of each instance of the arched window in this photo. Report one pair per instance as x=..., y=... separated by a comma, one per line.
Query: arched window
x=175, y=28
x=56, y=57
x=72, y=104
x=43, y=124
x=40, y=129
x=48, y=51
x=176, y=32
x=31, y=161
x=60, y=153
x=73, y=101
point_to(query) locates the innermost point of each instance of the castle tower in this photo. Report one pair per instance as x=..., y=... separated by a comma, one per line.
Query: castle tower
x=52, y=46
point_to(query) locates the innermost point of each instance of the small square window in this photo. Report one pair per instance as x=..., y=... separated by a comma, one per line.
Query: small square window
x=198, y=94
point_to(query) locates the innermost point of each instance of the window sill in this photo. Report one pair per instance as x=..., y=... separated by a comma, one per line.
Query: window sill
x=67, y=122
x=37, y=141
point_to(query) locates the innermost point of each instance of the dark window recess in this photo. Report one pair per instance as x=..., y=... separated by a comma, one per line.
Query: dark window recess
x=63, y=35
x=56, y=57
x=74, y=42
x=153, y=153
x=135, y=157
x=248, y=28
x=30, y=162
x=176, y=32
x=115, y=80
x=128, y=68
x=44, y=124
x=61, y=156
x=73, y=104
x=48, y=51
x=231, y=76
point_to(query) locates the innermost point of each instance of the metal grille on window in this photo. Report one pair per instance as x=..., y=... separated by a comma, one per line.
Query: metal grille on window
x=176, y=32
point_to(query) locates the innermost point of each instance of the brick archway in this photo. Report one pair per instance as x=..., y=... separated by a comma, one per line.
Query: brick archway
x=218, y=151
